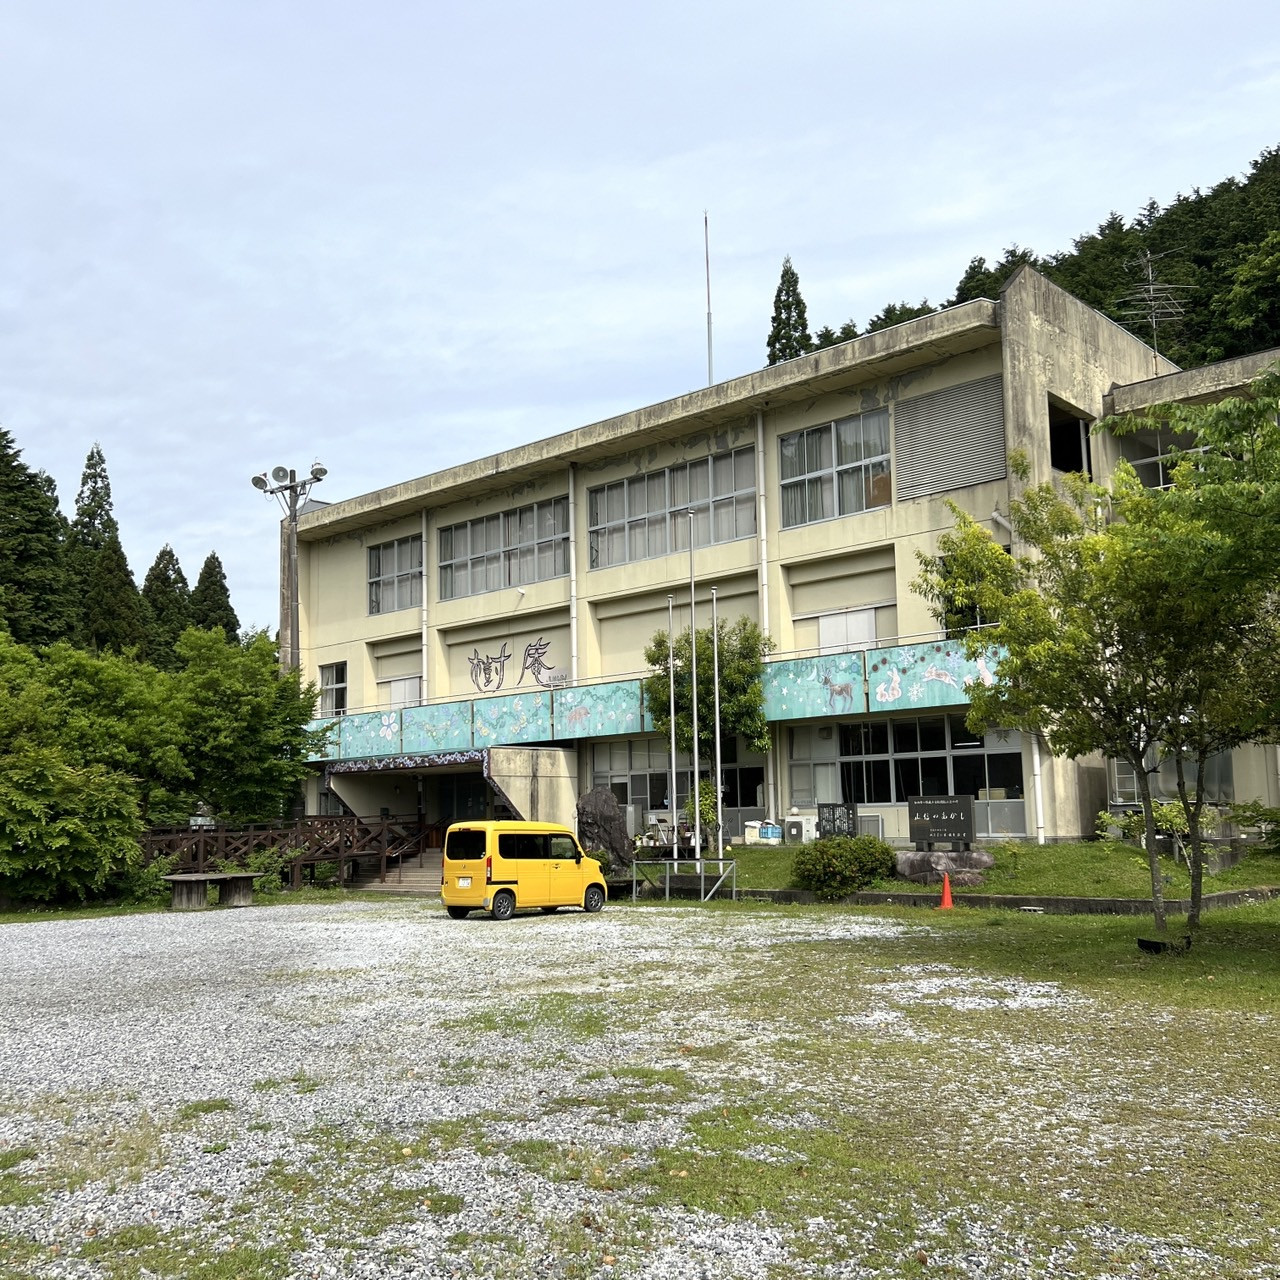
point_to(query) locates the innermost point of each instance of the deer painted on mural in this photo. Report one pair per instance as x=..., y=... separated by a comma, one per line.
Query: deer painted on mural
x=837, y=692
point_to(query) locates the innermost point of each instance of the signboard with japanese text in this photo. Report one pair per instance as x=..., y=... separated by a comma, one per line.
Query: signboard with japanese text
x=936, y=819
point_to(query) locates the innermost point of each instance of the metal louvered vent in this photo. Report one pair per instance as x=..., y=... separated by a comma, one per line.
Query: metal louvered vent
x=949, y=439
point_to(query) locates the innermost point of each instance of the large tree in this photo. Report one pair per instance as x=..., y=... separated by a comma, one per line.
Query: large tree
x=742, y=647
x=211, y=601
x=789, y=332
x=36, y=596
x=113, y=615
x=169, y=602
x=92, y=527
x=246, y=721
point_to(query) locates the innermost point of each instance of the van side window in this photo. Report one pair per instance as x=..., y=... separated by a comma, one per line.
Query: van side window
x=522, y=845
x=564, y=848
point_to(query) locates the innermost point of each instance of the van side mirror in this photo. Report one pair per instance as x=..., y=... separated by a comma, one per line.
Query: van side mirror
x=577, y=855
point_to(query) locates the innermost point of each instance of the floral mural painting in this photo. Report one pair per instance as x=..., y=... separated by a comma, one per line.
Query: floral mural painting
x=598, y=710
x=521, y=717
x=444, y=726
x=799, y=688
x=936, y=674
x=373, y=733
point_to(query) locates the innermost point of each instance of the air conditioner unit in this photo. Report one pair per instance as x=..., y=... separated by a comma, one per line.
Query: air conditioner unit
x=799, y=830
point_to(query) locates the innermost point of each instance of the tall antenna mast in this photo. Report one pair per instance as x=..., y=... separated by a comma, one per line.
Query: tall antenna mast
x=706, y=244
x=1153, y=301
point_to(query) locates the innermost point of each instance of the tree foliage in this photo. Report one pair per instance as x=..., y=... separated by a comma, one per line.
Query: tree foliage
x=168, y=600
x=211, y=601
x=114, y=616
x=743, y=647
x=36, y=600
x=789, y=332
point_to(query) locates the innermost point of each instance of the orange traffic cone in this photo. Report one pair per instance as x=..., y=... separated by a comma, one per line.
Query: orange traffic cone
x=946, y=903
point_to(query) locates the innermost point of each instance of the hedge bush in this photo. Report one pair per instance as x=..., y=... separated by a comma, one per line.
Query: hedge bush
x=838, y=865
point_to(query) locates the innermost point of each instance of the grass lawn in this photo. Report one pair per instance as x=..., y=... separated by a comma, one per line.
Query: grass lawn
x=1085, y=869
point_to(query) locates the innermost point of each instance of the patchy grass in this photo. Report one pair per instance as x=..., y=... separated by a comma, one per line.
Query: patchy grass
x=1107, y=869
x=205, y=1107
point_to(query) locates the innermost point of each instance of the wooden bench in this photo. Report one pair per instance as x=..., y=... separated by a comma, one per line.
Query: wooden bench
x=191, y=889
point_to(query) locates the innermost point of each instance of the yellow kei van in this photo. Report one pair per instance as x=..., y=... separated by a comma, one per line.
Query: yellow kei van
x=500, y=866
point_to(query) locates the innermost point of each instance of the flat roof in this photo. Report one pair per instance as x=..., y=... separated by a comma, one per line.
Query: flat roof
x=1204, y=385
x=925, y=340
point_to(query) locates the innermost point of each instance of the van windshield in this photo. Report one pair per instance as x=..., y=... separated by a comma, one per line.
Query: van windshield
x=465, y=844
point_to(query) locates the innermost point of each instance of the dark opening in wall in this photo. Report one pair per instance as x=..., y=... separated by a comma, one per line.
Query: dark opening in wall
x=1068, y=438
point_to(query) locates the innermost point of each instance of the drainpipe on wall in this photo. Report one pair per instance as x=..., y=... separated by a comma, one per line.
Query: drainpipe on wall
x=762, y=539
x=573, y=572
x=426, y=578
x=1039, y=791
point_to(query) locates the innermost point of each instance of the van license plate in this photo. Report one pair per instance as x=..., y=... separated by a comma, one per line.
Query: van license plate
x=464, y=882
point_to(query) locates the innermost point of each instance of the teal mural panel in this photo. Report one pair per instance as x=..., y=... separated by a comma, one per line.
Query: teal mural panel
x=372, y=733
x=329, y=748
x=598, y=710
x=934, y=674
x=519, y=717
x=799, y=688
x=443, y=726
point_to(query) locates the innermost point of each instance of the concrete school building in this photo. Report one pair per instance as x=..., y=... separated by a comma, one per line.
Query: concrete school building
x=477, y=634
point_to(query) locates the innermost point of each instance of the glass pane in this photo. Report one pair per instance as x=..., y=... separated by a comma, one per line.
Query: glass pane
x=744, y=469
x=619, y=757
x=875, y=434
x=561, y=557
x=637, y=499
x=699, y=482
x=375, y=597
x=702, y=527
x=970, y=774
x=878, y=782
x=791, y=456
x=877, y=732
x=906, y=778
x=615, y=503
x=744, y=519
x=794, y=506
x=850, y=739
x=906, y=737
x=446, y=582
x=1004, y=770
x=595, y=549
x=821, y=495
x=933, y=734
x=461, y=580
x=562, y=515
x=658, y=535
x=415, y=592
x=962, y=735
x=446, y=544
x=933, y=776
x=817, y=449
x=879, y=486
x=724, y=520
x=617, y=546
x=415, y=553
x=722, y=475
x=852, y=491
x=679, y=486
x=546, y=560
x=595, y=508
x=826, y=783
x=849, y=441
x=801, y=784
x=375, y=562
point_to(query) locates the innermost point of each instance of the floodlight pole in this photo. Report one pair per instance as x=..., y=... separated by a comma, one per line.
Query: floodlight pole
x=289, y=492
x=693, y=665
x=671, y=692
x=719, y=783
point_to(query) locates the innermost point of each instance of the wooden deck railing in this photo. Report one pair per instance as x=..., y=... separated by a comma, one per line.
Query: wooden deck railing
x=304, y=842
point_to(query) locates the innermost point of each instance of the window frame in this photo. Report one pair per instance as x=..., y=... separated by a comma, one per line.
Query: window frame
x=335, y=692
x=510, y=548
x=817, y=466
x=404, y=583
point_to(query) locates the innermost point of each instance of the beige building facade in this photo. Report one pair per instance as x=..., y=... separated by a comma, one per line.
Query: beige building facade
x=478, y=634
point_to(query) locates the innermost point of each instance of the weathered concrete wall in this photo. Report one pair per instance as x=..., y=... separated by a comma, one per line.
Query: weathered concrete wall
x=540, y=782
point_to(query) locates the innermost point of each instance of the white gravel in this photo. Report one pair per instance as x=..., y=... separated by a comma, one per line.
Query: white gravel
x=379, y=1021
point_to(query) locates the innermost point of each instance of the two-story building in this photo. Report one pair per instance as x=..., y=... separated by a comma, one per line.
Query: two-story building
x=478, y=634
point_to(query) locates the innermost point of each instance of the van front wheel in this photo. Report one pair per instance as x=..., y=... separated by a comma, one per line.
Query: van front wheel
x=504, y=906
x=593, y=899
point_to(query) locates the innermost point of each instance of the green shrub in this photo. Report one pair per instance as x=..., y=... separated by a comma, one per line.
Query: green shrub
x=839, y=865
x=140, y=885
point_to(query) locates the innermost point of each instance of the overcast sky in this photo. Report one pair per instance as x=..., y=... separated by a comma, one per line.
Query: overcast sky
x=394, y=236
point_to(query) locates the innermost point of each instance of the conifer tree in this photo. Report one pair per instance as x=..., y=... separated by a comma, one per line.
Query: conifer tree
x=168, y=597
x=92, y=526
x=114, y=616
x=789, y=335
x=211, y=601
x=36, y=601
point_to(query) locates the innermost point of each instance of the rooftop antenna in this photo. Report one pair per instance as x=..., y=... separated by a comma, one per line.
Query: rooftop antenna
x=706, y=244
x=1153, y=301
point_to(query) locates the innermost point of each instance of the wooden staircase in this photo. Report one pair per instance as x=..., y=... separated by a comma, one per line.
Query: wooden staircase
x=417, y=876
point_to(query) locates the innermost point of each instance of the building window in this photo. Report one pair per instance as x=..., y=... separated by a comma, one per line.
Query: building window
x=647, y=516
x=839, y=468
x=395, y=575
x=404, y=691
x=638, y=773
x=529, y=544
x=891, y=761
x=333, y=689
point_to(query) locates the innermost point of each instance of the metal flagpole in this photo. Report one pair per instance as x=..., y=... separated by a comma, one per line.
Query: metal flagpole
x=706, y=242
x=693, y=665
x=671, y=689
x=719, y=782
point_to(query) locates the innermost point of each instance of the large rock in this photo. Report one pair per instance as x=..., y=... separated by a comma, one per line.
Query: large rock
x=964, y=867
x=602, y=829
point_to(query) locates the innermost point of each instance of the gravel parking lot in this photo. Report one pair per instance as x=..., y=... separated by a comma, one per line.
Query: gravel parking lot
x=372, y=1089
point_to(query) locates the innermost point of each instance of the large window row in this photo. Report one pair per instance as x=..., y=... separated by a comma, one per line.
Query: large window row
x=839, y=468
x=891, y=761
x=529, y=544
x=647, y=516
x=395, y=575
x=637, y=772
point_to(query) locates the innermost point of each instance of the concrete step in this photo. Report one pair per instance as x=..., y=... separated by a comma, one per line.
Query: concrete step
x=410, y=878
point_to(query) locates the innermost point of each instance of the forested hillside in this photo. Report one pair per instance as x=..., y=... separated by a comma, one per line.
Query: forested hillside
x=1211, y=259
